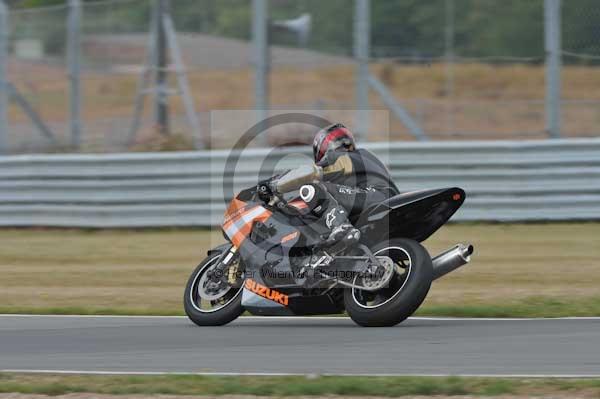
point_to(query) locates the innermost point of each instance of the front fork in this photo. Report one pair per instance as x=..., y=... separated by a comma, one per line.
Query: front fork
x=226, y=270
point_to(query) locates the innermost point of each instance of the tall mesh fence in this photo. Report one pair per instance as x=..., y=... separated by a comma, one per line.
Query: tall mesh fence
x=114, y=37
x=216, y=58
x=37, y=70
x=463, y=69
x=580, y=75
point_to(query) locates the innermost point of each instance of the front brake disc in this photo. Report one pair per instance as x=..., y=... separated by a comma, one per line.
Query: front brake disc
x=207, y=289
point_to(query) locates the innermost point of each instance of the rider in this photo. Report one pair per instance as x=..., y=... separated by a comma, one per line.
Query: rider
x=343, y=182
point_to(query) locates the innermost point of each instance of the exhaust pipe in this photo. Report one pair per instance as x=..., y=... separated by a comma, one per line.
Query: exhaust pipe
x=451, y=260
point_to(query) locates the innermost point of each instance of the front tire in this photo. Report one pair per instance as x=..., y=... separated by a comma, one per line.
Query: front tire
x=218, y=312
x=405, y=292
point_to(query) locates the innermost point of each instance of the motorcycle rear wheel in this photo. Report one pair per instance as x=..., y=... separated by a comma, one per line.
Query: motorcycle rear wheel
x=405, y=292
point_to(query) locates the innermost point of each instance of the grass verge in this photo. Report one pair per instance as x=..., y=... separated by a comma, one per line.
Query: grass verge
x=528, y=307
x=518, y=270
x=293, y=385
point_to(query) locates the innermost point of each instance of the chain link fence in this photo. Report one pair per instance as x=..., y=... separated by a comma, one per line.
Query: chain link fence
x=466, y=69
x=581, y=73
x=462, y=69
x=37, y=71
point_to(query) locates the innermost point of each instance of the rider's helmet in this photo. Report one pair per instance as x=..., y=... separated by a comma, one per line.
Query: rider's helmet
x=332, y=137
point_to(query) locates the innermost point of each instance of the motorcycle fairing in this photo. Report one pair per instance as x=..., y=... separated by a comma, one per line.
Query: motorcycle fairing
x=299, y=205
x=258, y=305
x=415, y=215
x=262, y=300
x=239, y=219
x=266, y=253
x=298, y=305
x=267, y=258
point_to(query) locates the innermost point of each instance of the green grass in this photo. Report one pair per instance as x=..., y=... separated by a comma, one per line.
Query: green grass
x=263, y=386
x=290, y=386
x=518, y=270
x=528, y=307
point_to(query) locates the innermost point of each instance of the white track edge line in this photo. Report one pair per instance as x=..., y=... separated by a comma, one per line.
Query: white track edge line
x=308, y=375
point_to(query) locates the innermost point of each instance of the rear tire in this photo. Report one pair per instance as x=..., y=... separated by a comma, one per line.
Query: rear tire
x=405, y=293
x=230, y=311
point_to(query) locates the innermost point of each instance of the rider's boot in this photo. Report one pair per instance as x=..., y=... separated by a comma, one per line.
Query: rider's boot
x=342, y=232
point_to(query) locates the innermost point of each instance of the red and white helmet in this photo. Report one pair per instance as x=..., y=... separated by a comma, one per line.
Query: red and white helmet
x=331, y=138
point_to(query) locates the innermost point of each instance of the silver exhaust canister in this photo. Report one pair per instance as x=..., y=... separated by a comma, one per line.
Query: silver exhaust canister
x=452, y=259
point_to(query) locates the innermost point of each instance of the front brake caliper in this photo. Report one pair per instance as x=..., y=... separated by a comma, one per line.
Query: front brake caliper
x=232, y=273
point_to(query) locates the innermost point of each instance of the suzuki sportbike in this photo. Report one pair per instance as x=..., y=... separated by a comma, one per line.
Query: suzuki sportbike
x=274, y=262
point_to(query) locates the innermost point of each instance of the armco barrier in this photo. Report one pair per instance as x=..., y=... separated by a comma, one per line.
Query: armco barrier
x=505, y=181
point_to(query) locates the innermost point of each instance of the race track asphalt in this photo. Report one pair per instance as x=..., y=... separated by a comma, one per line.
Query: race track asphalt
x=301, y=345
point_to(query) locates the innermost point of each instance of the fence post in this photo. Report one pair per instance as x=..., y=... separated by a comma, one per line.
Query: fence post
x=260, y=38
x=161, y=105
x=398, y=110
x=362, y=39
x=552, y=30
x=449, y=47
x=182, y=81
x=449, y=64
x=74, y=61
x=4, y=92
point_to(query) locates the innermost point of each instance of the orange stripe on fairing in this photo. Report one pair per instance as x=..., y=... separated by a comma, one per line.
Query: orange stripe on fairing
x=300, y=204
x=289, y=237
x=240, y=233
x=235, y=207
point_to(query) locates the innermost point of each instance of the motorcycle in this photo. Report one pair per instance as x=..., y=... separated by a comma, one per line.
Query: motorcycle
x=274, y=262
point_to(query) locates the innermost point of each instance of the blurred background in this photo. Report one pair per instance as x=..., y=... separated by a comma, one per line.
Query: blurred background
x=107, y=128
x=445, y=69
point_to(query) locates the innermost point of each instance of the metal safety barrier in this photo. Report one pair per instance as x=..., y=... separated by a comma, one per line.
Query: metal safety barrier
x=505, y=181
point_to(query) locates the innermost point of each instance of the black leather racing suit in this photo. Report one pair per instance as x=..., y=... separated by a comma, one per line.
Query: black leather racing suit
x=367, y=183
x=339, y=188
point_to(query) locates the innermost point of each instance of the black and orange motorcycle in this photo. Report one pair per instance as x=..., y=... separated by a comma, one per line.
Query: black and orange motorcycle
x=274, y=262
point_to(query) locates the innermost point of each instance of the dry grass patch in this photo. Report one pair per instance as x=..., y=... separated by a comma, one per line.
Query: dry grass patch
x=501, y=101
x=517, y=269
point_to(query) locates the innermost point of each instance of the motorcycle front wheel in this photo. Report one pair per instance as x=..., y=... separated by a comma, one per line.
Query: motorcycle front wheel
x=207, y=302
x=405, y=292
